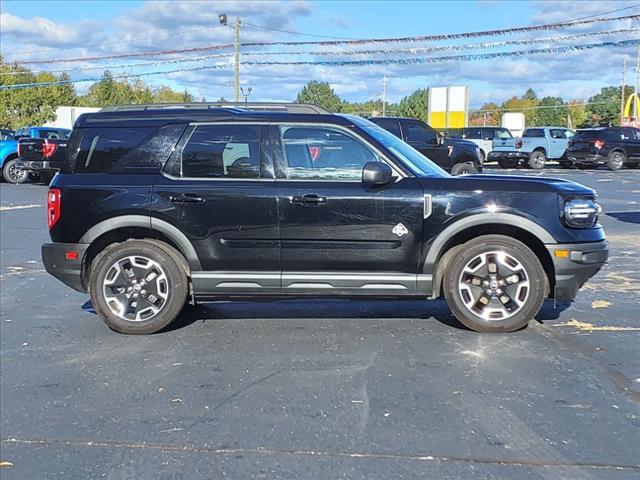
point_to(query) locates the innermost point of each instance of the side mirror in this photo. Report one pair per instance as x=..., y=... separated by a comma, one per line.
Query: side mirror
x=376, y=174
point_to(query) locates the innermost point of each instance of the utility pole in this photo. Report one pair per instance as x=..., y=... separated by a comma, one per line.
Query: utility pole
x=635, y=91
x=384, y=96
x=624, y=71
x=236, y=53
x=236, y=60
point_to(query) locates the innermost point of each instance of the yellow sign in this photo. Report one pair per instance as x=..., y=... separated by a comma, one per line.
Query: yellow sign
x=627, y=107
x=448, y=107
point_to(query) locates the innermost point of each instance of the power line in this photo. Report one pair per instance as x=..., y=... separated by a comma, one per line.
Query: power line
x=291, y=32
x=406, y=51
x=391, y=61
x=415, y=39
x=607, y=13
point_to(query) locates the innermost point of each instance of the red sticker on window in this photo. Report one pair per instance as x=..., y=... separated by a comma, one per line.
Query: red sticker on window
x=314, y=152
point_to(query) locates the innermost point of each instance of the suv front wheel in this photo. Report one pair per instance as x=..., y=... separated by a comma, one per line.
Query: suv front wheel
x=496, y=284
x=463, y=168
x=138, y=286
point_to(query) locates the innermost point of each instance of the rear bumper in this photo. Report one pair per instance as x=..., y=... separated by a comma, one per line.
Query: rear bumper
x=499, y=155
x=584, y=157
x=69, y=272
x=572, y=272
x=37, y=167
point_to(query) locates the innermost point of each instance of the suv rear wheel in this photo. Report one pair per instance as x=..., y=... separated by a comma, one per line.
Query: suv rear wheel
x=138, y=286
x=616, y=160
x=495, y=284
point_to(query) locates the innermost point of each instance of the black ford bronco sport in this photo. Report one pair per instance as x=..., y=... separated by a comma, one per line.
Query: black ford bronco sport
x=158, y=205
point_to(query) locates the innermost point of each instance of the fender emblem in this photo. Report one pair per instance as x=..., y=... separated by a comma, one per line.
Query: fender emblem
x=400, y=230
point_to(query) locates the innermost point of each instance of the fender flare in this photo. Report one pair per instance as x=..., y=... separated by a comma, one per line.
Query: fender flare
x=508, y=219
x=124, y=221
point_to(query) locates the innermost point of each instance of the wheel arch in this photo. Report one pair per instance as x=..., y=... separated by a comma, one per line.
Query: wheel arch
x=540, y=149
x=450, y=240
x=119, y=229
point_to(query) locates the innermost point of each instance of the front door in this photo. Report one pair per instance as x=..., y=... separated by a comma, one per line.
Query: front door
x=219, y=191
x=338, y=237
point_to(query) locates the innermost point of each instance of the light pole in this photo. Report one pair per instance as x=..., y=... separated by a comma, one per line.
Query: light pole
x=246, y=93
x=236, y=53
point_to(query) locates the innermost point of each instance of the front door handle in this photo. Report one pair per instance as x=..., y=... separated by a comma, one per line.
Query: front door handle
x=186, y=198
x=308, y=200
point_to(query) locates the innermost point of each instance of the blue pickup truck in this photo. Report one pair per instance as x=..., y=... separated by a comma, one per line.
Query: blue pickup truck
x=534, y=148
x=12, y=171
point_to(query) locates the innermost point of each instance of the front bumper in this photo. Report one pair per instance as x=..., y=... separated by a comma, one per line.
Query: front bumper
x=499, y=155
x=68, y=271
x=37, y=167
x=572, y=272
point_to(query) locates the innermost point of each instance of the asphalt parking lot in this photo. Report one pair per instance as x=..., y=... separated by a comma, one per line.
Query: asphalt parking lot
x=324, y=389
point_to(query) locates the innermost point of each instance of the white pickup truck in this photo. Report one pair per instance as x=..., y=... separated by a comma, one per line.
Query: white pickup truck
x=534, y=148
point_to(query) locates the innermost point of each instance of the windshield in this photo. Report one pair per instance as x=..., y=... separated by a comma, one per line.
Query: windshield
x=420, y=165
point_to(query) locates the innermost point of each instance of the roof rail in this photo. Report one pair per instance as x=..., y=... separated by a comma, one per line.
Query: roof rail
x=251, y=106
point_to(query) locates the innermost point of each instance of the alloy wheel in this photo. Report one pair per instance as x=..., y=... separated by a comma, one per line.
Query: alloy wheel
x=494, y=285
x=135, y=288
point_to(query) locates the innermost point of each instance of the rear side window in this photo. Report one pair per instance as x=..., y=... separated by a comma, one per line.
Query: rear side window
x=222, y=151
x=588, y=135
x=533, y=132
x=473, y=134
x=121, y=149
x=390, y=125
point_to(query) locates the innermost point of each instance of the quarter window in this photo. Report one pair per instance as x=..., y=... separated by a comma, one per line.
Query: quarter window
x=324, y=153
x=222, y=151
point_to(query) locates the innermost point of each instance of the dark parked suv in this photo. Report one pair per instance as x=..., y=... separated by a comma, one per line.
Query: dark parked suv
x=155, y=206
x=454, y=155
x=614, y=147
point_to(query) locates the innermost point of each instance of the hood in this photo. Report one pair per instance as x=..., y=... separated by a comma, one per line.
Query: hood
x=519, y=183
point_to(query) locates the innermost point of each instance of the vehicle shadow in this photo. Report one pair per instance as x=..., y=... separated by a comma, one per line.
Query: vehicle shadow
x=324, y=308
x=629, y=217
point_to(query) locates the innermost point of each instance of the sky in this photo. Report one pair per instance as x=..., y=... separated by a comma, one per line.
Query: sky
x=35, y=30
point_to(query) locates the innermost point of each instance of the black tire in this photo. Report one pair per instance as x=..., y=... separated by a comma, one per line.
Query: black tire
x=534, y=291
x=13, y=174
x=507, y=163
x=565, y=164
x=463, y=168
x=483, y=156
x=163, y=261
x=537, y=159
x=616, y=160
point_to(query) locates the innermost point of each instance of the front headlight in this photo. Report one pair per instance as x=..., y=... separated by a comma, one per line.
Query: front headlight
x=581, y=212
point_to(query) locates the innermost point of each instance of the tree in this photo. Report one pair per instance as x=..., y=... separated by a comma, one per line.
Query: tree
x=522, y=105
x=320, y=94
x=577, y=112
x=530, y=94
x=415, y=105
x=489, y=113
x=20, y=107
x=553, y=112
x=604, y=107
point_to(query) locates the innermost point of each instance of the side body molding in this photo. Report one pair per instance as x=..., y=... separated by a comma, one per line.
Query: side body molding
x=143, y=221
x=508, y=219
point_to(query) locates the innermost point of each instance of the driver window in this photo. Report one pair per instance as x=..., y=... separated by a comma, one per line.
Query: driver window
x=324, y=153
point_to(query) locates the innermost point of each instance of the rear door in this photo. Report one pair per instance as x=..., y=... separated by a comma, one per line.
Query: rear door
x=632, y=142
x=557, y=142
x=425, y=140
x=218, y=189
x=338, y=237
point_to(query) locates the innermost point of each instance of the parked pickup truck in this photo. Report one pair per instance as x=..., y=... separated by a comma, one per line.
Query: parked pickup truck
x=42, y=156
x=454, y=155
x=533, y=149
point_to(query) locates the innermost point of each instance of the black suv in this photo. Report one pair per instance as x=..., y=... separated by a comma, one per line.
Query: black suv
x=453, y=155
x=614, y=147
x=155, y=205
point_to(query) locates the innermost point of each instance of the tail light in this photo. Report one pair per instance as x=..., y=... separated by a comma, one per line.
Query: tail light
x=19, y=149
x=49, y=149
x=518, y=143
x=599, y=144
x=53, y=207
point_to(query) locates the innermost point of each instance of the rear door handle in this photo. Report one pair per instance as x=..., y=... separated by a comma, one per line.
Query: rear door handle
x=186, y=198
x=309, y=199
